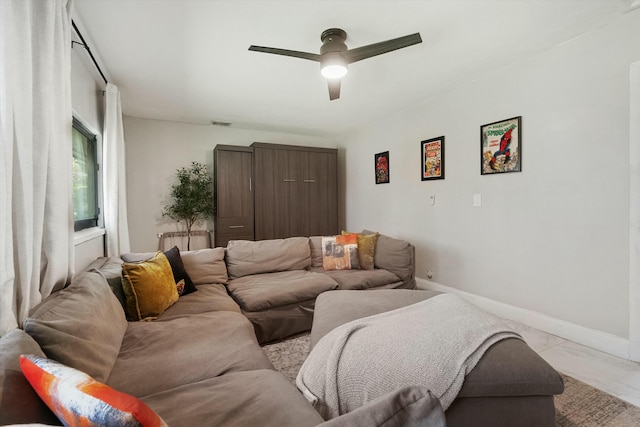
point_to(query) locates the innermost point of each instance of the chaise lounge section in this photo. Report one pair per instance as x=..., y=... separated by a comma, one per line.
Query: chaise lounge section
x=510, y=386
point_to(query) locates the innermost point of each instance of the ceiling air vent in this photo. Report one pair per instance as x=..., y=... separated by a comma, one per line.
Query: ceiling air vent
x=219, y=123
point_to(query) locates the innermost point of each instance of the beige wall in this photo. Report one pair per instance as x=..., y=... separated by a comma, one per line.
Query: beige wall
x=156, y=149
x=554, y=238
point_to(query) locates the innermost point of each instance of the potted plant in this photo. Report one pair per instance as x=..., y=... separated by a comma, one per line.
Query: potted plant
x=191, y=195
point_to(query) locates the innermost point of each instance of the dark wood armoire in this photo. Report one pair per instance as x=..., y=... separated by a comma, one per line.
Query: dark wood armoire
x=292, y=191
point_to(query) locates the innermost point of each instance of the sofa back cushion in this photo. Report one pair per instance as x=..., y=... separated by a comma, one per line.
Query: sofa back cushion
x=19, y=403
x=395, y=255
x=246, y=257
x=315, y=244
x=81, y=326
x=111, y=269
x=206, y=266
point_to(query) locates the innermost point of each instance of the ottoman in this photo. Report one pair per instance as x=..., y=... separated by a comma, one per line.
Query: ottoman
x=510, y=386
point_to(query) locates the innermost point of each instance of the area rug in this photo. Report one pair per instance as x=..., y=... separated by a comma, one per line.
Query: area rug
x=579, y=406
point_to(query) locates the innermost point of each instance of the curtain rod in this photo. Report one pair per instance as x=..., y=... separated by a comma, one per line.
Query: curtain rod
x=86, y=46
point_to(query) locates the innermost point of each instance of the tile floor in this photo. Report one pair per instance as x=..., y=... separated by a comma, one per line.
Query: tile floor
x=611, y=374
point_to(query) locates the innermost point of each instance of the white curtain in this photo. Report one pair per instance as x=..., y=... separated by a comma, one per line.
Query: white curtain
x=115, y=195
x=36, y=206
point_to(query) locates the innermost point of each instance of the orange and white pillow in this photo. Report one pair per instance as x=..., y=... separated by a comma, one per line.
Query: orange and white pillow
x=340, y=252
x=79, y=400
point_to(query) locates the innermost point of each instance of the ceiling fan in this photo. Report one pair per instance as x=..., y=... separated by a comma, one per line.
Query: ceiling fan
x=334, y=55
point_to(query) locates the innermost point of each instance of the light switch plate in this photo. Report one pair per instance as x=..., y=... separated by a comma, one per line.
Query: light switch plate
x=477, y=200
x=432, y=199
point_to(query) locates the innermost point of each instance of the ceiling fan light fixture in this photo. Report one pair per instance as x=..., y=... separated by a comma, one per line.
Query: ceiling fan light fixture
x=334, y=71
x=333, y=67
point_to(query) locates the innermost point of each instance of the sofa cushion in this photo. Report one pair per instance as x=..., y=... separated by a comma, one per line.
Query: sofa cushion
x=149, y=287
x=340, y=252
x=254, y=398
x=315, y=244
x=363, y=279
x=78, y=399
x=81, y=326
x=209, y=298
x=395, y=255
x=263, y=291
x=157, y=356
x=19, y=403
x=339, y=307
x=246, y=257
x=511, y=368
x=111, y=269
x=206, y=266
x=366, y=249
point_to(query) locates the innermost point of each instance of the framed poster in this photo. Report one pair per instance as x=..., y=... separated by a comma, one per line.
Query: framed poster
x=432, y=154
x=382, y=167
x=501, y=146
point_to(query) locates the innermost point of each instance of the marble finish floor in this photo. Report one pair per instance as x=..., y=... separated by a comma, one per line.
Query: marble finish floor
x=603, y=371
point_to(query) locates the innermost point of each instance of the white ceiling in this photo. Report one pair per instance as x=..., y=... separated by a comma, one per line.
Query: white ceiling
x=188, y=61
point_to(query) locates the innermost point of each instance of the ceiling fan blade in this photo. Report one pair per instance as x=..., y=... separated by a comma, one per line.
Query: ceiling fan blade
x=286, y=52
x=375, y=49
x=334, y=88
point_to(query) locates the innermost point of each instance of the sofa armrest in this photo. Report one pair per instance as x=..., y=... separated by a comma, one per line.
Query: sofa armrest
x=406, y=407
x=397, y=256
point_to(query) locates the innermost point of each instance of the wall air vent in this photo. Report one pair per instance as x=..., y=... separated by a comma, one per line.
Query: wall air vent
x=219, y=123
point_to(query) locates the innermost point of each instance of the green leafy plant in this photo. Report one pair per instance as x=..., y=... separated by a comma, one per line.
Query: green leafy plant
x=191, y=195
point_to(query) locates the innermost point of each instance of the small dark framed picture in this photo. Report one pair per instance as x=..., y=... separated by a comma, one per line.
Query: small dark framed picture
x=382, y=167
x=501, y=146
x=432, y=153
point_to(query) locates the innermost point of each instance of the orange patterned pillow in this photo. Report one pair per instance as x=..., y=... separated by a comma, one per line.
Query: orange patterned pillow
x=79, y=400
x=340, y=252
x=366, y=249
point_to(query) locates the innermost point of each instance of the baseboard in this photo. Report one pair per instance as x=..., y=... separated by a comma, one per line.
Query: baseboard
x=593, y=338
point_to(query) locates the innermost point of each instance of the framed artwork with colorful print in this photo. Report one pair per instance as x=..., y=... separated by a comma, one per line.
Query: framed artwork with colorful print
x=382, y=167
x=432, y=154
x=501, y=146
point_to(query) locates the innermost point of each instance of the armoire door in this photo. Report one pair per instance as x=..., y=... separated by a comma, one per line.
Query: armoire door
x=321, y=182
x=298, y=201
x=295, y=191
x=233, y=189
x=272, y=185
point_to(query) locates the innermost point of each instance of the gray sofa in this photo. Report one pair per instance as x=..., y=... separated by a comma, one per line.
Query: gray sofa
x=276, y=282
x=199, y=362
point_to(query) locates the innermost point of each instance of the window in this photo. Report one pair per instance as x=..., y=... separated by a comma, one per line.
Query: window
x=85, y=177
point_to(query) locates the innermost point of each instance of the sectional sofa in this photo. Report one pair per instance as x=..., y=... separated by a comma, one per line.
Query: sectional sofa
x=199, y=362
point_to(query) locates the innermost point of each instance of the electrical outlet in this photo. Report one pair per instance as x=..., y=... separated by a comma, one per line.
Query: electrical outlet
x=429, y=274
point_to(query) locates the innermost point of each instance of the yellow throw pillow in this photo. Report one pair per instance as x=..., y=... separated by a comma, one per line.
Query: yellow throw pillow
x=148, y=287
x=366, y=249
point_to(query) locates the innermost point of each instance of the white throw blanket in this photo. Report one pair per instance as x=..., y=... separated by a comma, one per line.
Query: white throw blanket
x=433, y=343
